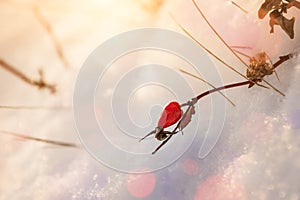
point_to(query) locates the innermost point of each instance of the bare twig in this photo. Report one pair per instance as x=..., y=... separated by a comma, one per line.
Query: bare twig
x=242, y=9
x=279, y=62
x=192, y=75
x=41, y=84
x=53, y=142
x=240, y=47
x=54, y=39
x=9, y=107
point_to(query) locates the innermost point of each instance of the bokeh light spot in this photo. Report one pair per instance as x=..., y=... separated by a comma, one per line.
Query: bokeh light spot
x=220, y=187
x=141, y=185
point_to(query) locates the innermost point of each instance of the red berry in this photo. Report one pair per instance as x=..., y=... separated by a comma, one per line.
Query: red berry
x=171, y=114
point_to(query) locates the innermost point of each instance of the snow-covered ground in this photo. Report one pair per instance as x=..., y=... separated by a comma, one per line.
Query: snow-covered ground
x=256, y=156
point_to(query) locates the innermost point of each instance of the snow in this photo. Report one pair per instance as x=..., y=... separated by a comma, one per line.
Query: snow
x=255, y=157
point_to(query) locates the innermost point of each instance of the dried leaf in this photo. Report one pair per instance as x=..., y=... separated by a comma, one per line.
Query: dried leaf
x=276, y=18
x=187, y=117
x=267, y=6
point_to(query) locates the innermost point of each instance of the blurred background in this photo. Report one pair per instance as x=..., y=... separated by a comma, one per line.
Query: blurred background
x=256, y=157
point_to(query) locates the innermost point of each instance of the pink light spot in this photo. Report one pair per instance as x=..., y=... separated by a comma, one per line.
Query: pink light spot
x=141, y=185
x=190, y=167
x=220, y=187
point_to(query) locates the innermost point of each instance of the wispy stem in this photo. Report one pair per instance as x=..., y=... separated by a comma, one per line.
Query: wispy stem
x=53, y=142
x=242, y=9
x=54, y=39
x=9, y=107
x=41, y=84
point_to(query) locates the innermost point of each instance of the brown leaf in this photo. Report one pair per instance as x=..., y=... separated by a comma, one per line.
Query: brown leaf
x=267, y=6
x=276, y=18
x=187, y=117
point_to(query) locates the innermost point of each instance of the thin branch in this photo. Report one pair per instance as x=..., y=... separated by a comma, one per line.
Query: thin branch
x=163, y=143
x=41, y=84
x=52, y=142
x=274, y=88
x=54, y=39
x=9, y=107
x=210, y=52
x=283, y=59
x=234, y=85
x=240, y=47
x=243, y=54
x=242, y=9
x=222, y=88
x=218, y=35
x=192, y=75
